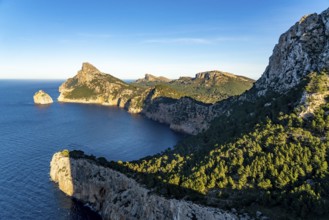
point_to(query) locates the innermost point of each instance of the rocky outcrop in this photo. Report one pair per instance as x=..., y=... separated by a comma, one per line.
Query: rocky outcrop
x=115, y=196
x=184, y=115
x=42, y=98
x=302, y=49
x=92, y=86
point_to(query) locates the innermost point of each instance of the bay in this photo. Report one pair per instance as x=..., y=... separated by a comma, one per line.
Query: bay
x=30, y=134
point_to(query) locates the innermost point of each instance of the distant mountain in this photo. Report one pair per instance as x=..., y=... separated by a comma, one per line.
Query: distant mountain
x=207, y=87
x=149, y=79
x=182, y=103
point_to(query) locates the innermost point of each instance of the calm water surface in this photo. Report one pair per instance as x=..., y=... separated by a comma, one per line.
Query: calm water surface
x=30, y=134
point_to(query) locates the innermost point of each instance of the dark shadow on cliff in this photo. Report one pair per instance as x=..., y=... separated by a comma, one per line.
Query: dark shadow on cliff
x=148, y=181
x=80, y=211
x=63, y=173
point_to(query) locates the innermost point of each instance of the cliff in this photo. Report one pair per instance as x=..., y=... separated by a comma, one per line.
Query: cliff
x=183, y=104
x=42, y=98
x=301, y=50
x=115, y=196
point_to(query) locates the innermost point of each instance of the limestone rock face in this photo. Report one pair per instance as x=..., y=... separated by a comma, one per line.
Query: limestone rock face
x=42, y=98
x=115, y=196
x=183, y=115
x=302, y=49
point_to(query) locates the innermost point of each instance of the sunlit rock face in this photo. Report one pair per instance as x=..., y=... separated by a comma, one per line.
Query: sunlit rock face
x=42, y=98
x=115, y=196
x=302, y=49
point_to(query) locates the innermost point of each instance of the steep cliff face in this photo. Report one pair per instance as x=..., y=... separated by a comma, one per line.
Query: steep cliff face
x=185, y=114
x=302, y=49
x=115, y=196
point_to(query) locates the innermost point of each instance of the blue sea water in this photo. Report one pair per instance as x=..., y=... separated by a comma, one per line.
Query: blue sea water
x=30, y=134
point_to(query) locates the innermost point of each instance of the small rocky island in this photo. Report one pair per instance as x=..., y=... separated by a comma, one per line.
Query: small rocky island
x=42, y=98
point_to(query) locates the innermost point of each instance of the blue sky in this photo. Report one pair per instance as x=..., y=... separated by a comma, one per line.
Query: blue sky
x=42, y=39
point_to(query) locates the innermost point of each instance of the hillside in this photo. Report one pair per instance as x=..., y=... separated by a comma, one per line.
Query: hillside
x=207, y=87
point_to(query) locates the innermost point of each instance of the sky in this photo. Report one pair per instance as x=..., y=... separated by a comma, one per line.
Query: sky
x=42, y=39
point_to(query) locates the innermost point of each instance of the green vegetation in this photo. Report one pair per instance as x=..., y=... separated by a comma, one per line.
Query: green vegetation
x=65, y=153
x=81, y=91
x=264, y=156
x=163, y=90
x=203, y=90
x=212, y=91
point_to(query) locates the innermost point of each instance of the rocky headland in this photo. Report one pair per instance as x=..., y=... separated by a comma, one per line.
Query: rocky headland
x=42, y=98
x=174, y=102
x=115, y=196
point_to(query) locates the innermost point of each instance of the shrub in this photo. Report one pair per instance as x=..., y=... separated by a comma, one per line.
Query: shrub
x=65, y=153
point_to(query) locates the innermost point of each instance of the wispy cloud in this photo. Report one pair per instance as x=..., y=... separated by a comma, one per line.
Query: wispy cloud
x=193, y=40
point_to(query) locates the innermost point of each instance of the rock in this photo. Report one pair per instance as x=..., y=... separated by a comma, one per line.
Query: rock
x=115, y=196
x=42, y=98
x=302, y=49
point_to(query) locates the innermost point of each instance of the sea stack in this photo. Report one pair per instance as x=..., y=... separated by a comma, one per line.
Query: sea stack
x=42, y=98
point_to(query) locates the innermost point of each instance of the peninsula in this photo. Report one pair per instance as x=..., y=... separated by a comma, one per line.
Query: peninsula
x=182, y=103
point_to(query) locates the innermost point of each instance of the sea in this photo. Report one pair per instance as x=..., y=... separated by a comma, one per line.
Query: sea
x=30, y=134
